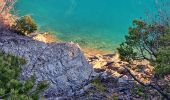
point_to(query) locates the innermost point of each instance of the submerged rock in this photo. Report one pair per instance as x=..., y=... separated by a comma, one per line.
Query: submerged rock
x=63, y=65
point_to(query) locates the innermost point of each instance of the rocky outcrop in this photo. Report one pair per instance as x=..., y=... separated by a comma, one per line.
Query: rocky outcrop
x=63, y=65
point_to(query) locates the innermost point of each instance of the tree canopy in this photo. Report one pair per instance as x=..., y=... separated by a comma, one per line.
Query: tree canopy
x=142, y=41
x=150, y=42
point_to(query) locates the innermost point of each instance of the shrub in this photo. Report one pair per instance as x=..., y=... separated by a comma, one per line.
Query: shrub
x=25, y=25
x=10, y=87
x=99, y=85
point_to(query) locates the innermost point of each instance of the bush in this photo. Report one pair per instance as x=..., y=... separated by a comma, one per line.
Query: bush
x=148, y=42
x=10, y=87
x=25, y=25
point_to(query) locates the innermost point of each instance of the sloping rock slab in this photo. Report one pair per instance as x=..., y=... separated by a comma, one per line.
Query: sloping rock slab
x=61, y=64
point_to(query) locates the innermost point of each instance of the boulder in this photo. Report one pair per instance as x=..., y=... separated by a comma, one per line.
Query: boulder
x=63, y=65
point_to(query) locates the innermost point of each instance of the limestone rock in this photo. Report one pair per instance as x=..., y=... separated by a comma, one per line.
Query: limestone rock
x=63, y=65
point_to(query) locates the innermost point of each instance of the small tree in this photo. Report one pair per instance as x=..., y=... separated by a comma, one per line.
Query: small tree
x=148, y=42
x=142, y=41
x=25, y=25
x=10, y=87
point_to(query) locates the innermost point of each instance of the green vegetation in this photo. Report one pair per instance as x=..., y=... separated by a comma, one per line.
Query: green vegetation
x=163, y=55
x=150, y=42
x=99, y=85
x=10, y=86
x=141, y=41
x=25, y=25
x=140, y=91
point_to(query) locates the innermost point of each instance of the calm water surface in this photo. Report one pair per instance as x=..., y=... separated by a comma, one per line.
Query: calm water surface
x=98, y=24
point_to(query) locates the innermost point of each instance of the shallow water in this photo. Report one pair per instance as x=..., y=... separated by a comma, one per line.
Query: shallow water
x=98, y=24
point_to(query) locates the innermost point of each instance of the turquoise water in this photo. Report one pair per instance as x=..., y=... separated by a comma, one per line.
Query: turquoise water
x=99, y=24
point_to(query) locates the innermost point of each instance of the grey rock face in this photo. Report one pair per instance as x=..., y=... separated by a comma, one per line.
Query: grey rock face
x=63, y=65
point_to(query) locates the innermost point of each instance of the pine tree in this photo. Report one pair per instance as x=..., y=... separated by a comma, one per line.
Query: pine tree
x=148, y=42
x=10, y=86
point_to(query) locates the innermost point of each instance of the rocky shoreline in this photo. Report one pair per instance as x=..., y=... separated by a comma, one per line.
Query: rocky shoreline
x=74, y=73
x=112, y=79
x=78, y=80
x=111, y=74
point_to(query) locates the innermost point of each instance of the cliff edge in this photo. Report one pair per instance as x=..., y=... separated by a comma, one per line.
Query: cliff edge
x=63, y=65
